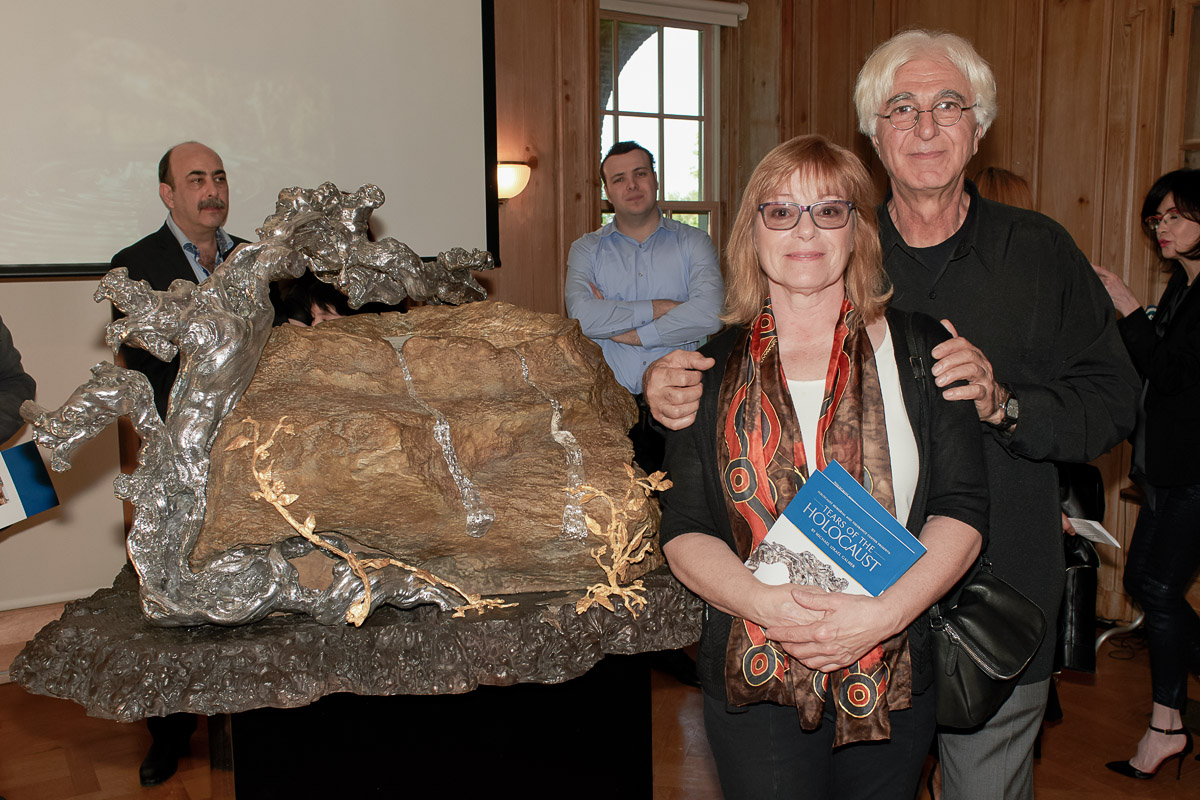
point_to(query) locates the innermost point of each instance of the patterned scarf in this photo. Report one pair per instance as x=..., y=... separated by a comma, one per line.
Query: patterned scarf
x=762, y=461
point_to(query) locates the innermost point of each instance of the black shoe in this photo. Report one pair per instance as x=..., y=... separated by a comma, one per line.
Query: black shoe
x=1130, y=771
x=159, y=765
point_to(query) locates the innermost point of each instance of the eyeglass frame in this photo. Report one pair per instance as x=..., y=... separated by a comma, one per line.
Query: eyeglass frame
x=1154, y=220
x=848, y=203
x=917, y=119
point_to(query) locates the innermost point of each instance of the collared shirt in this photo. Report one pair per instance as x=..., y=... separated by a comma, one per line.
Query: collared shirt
x=224, y=245
x=676, y=262
x=1018, y=288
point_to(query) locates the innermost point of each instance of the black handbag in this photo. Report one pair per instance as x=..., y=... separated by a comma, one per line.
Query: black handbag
x=1080, y=495
x=981, y=645
x=1077, y=616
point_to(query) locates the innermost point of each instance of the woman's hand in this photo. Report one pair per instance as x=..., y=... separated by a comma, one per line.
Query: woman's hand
x=1122, y=297
x=707, y=566
x=850, y=625
x=847, y=627
x=777, y=607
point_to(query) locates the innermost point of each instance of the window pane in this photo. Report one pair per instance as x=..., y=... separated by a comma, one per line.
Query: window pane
x=637, y=53
x=606, y=64
x=681, y=177
x=681, y=71
x=606, y=134
x=644, y=131
x=606, y=217
x=696, y=220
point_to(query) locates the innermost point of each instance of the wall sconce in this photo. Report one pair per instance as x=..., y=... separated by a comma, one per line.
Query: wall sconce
x=511, y=178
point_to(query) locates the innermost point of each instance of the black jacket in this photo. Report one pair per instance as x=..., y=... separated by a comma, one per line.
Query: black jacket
x=15, y=386
x=1019, y=289
x=1171, y=368
x=951, y=483
x=159, y=260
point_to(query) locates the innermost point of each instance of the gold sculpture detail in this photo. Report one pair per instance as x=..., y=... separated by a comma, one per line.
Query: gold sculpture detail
x=623, y=547
x=273, y=490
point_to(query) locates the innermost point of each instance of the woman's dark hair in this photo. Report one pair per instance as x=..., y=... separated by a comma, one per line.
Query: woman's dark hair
x=1184, y=184
x=307, y=290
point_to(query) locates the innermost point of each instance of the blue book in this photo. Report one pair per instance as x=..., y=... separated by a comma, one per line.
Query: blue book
x=835, y=535
x=25, y=487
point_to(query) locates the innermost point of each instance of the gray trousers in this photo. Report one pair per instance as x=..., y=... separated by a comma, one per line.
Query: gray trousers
x=995, y=761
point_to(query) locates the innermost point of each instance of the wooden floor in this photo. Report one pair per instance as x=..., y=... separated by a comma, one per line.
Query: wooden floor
x=49, y=750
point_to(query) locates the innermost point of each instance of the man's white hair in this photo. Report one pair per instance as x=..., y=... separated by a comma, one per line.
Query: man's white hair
x=877, y=78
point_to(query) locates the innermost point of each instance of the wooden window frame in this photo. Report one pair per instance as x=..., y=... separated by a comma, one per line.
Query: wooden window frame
x=709, y=203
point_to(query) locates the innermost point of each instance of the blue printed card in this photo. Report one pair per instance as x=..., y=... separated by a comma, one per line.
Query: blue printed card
x=25, y=487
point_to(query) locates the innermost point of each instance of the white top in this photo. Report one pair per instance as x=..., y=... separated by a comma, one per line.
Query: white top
x=807, y=397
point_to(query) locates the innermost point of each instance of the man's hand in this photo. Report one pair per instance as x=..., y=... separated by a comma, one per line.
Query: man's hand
x=671, y=386
x=959, y=360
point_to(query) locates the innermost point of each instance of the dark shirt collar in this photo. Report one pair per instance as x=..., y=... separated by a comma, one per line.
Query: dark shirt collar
x=979, y=209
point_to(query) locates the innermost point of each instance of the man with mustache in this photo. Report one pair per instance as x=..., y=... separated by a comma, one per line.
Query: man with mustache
x=189, y=245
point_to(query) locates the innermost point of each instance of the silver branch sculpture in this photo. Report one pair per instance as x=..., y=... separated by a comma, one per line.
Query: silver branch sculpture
x=219, y=329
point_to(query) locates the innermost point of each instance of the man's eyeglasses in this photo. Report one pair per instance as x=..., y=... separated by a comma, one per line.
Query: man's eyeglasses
x=827, y=214
x=1170, y=216
x=945, y=113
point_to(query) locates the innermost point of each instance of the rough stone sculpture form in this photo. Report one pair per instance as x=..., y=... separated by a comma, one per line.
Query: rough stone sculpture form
x=219, y=329
x=487, y=405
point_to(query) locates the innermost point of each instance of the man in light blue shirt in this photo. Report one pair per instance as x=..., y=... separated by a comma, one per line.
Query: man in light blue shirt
x=643, y=285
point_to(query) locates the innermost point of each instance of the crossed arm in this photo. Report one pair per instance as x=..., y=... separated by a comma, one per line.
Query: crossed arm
x=656, y=322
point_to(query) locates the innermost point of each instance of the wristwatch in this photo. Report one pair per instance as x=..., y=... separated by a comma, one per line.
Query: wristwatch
x=1012, y=410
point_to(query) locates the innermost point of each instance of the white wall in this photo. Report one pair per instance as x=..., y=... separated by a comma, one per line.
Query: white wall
x=78, y=547
x=289, y=93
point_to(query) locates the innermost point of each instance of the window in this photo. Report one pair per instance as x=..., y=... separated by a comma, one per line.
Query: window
x=656, y=89
x=1191, y=117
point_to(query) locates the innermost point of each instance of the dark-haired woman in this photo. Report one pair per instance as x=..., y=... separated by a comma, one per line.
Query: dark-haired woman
x=1164, y=553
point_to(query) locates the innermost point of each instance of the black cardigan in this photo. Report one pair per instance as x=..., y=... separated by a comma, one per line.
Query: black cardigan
x=1171, y=368
x=952, y=485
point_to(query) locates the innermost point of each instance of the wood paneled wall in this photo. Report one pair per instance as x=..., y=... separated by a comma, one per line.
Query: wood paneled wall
x=1080, y=85
x=545, y=114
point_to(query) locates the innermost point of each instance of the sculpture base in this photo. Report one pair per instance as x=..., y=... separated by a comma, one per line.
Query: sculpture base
x=106, y=656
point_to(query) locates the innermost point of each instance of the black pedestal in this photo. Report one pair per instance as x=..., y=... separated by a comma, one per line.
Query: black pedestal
x=584, y=737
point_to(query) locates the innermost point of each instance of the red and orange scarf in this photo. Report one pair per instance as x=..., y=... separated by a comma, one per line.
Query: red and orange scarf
x=762, y=461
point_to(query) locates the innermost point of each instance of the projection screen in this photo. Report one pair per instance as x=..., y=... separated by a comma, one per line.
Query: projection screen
x=289, y=93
